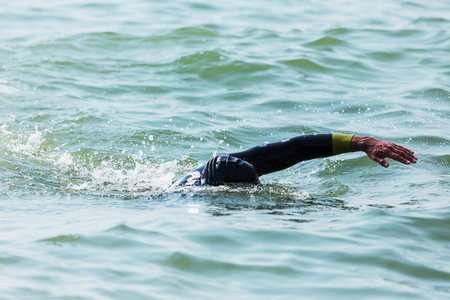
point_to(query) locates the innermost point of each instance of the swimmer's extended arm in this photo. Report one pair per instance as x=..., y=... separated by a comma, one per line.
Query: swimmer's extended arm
x=281, y=155
x=277, y=156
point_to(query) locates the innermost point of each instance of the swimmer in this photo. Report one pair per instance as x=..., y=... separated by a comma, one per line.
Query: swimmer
x=247, y=166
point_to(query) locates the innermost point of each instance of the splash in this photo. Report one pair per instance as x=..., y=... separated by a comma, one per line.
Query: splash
x=86, y=173
x=143, y=178
x=26, y=143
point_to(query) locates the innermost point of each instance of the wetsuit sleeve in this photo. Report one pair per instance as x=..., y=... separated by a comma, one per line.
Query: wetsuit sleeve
x=281, y=155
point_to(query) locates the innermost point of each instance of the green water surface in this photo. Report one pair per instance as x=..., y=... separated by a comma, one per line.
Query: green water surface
x=104, y=103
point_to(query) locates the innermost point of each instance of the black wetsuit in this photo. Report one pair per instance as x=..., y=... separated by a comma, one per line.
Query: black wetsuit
x=248, y=165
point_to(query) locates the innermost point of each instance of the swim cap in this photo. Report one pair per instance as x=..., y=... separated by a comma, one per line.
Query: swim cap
x=227, y=168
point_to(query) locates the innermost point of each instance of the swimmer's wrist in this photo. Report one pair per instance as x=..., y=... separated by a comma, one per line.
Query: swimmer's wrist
x=359, y=143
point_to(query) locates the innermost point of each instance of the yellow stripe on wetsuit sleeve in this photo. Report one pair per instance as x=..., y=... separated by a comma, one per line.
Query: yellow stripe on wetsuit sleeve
x=341, y=143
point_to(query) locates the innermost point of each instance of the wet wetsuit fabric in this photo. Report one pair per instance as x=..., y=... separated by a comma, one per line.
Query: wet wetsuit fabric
x=247, y=165
x=220, y=170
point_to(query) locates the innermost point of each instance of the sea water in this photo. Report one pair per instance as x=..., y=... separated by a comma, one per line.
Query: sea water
x=103, y=104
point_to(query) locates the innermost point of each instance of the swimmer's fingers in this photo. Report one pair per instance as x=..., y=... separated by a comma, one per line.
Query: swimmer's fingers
x=376, y=154
x=398, y=157
x=391, y=150
x=400, y=154
x=406, y=153
x=402, y=149
x=381, y=161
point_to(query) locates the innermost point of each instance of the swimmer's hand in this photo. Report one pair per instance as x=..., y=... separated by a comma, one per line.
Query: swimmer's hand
x=377, y=150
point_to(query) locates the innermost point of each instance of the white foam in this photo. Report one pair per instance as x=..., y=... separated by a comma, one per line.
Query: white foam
x=107, y=176
x=23, y=143
x=64, y=160
x=144, y=177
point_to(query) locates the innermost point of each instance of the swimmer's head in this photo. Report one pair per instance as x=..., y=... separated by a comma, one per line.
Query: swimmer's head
x=226, y=168
x=239, y=170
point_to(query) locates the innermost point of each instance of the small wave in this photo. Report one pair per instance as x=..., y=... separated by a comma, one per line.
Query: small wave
x=63, y=239
x=213, y=266
x=395, y=33
x=237, y=73
x=262, y=34
x=109, y=39
x=326, y=41
x=193, y=31
x=339, y=31
x=202, y=57
x=431, y=21
x=201, y=6
x=432, y=93
x=431, y=139
x=306, y=65
x=386, y=56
